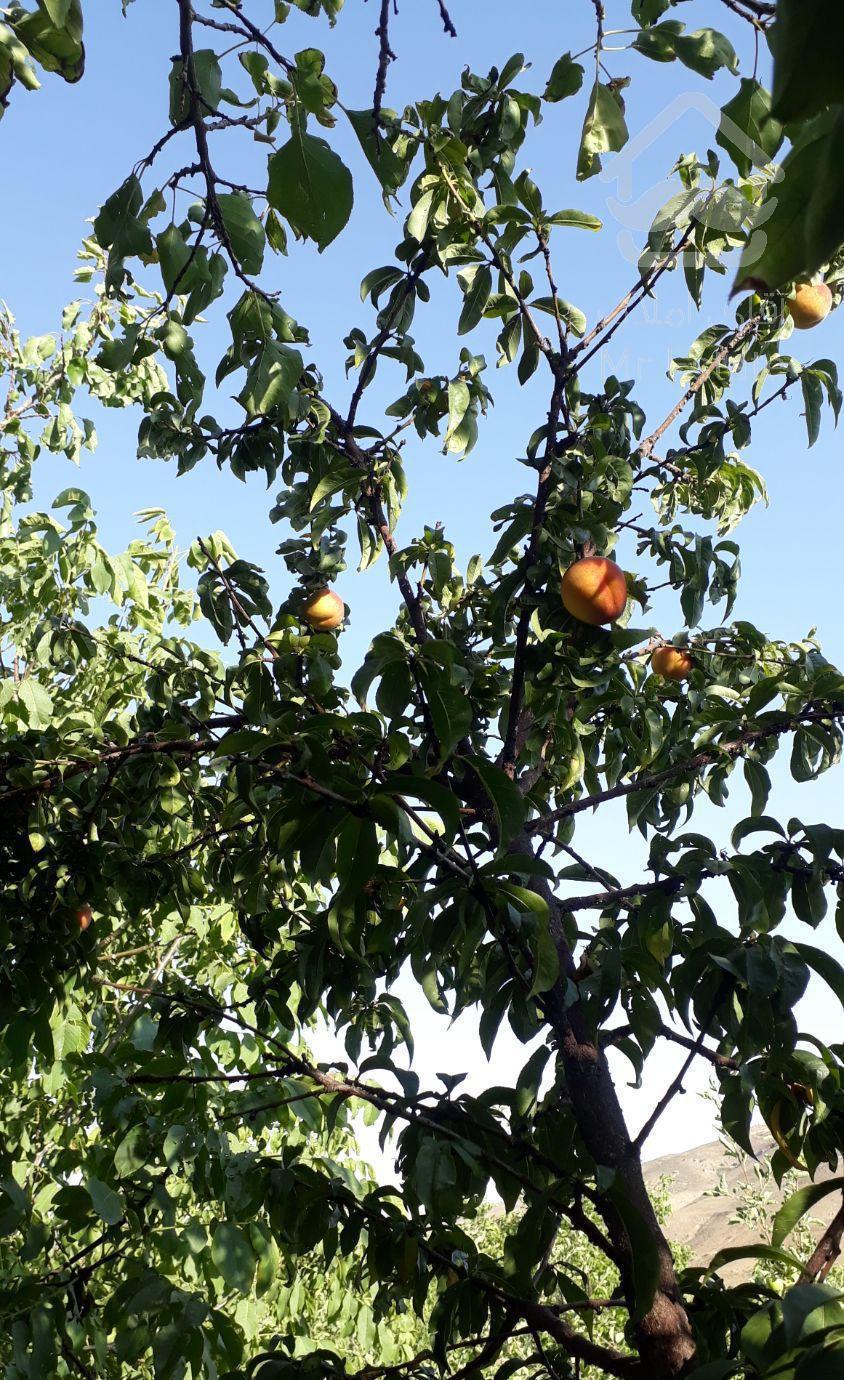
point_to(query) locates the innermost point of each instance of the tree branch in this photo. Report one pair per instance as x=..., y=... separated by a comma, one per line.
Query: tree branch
x=719, y=1061
x=674, y=1087
x=826, y=1252
x=760, y=13
x=446, y=19
x=707, y=757
x=732, y=343
x=609, y=324
x=385, y=57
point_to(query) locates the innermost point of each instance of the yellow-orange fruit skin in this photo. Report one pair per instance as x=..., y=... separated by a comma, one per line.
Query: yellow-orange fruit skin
x=810, y=305
x=84, y=917
x=594, y=590
x=324, y=610
x=672, y=663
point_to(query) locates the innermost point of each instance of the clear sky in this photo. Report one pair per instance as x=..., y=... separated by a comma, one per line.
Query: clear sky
x=64, y=149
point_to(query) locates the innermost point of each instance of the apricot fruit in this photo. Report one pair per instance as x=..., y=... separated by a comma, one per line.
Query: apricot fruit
x=672, y=663
x=594, y=590
x=324, y=610
x=84, y=917
x=810, y=304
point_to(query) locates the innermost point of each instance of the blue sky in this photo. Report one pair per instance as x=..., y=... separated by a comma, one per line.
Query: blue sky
x=64, y=149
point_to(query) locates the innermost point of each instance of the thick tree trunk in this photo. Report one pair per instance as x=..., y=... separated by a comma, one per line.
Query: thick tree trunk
x=664, y=1335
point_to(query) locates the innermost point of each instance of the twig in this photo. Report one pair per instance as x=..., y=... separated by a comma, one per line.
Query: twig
x=446, y=19
x=196, y=118
x=730, y=345
x=720, y=1061
x=372, y=498
x=379, y=341
x=76, y=1362
x=676, y=1084
x=759, y=13
x=729, y=425
x=261, y=38
x=674, y=1087
x=609, y=324
x=385, y=57
x=138, y=1005
x=239, y=611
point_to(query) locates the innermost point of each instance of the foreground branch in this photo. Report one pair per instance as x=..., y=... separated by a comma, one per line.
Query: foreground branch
x=826, y=1252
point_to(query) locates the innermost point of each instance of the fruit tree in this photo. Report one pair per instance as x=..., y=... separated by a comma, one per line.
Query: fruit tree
x=221, y=843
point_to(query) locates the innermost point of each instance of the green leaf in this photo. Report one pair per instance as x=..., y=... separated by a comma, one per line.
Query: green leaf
x=824, y=1362
x=245, y=231
x=825, y=219
x=546, y=960
x=813, y=399
x=449, y=708
x=705, y=51
x=747, y=131
x=174, y=255
x=56, y=45
x=565, y=80
x=390, y=168
x=459, y=398
x=507, y=800
x=573, y=317
x=756, y=824
x=808, y=45
x=117, y=225
x=417, y=221
x=431, y=793
x=752, y=1251
x=604, y=130
x=107, y=1203
x=233, y=1256
x=271, y=379
x=649, y=11
x=357, y=855
x=581, y=219
x=809, y=1309
x=475, y=300
x=58, y=10
x=798, y=1204
x=264, y=1247
x=825, y=966
x=778, y=250
x=37, y=701
x=530, y=902
x=130, y=1154
x=310, y=185
x=209, y=85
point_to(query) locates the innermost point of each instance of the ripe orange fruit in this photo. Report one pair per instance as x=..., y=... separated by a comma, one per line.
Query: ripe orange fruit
x=84, y=916
x=594, y=590
x=324, y=610
x=672, y=663
x=810, y=304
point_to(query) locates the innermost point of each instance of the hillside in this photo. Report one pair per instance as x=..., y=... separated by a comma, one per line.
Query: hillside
x=703, y=1219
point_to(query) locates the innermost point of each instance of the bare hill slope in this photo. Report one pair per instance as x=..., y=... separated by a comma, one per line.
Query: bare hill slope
x=703, y=1220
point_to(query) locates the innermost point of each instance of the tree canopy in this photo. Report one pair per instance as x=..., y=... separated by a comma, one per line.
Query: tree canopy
x=214, y=837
